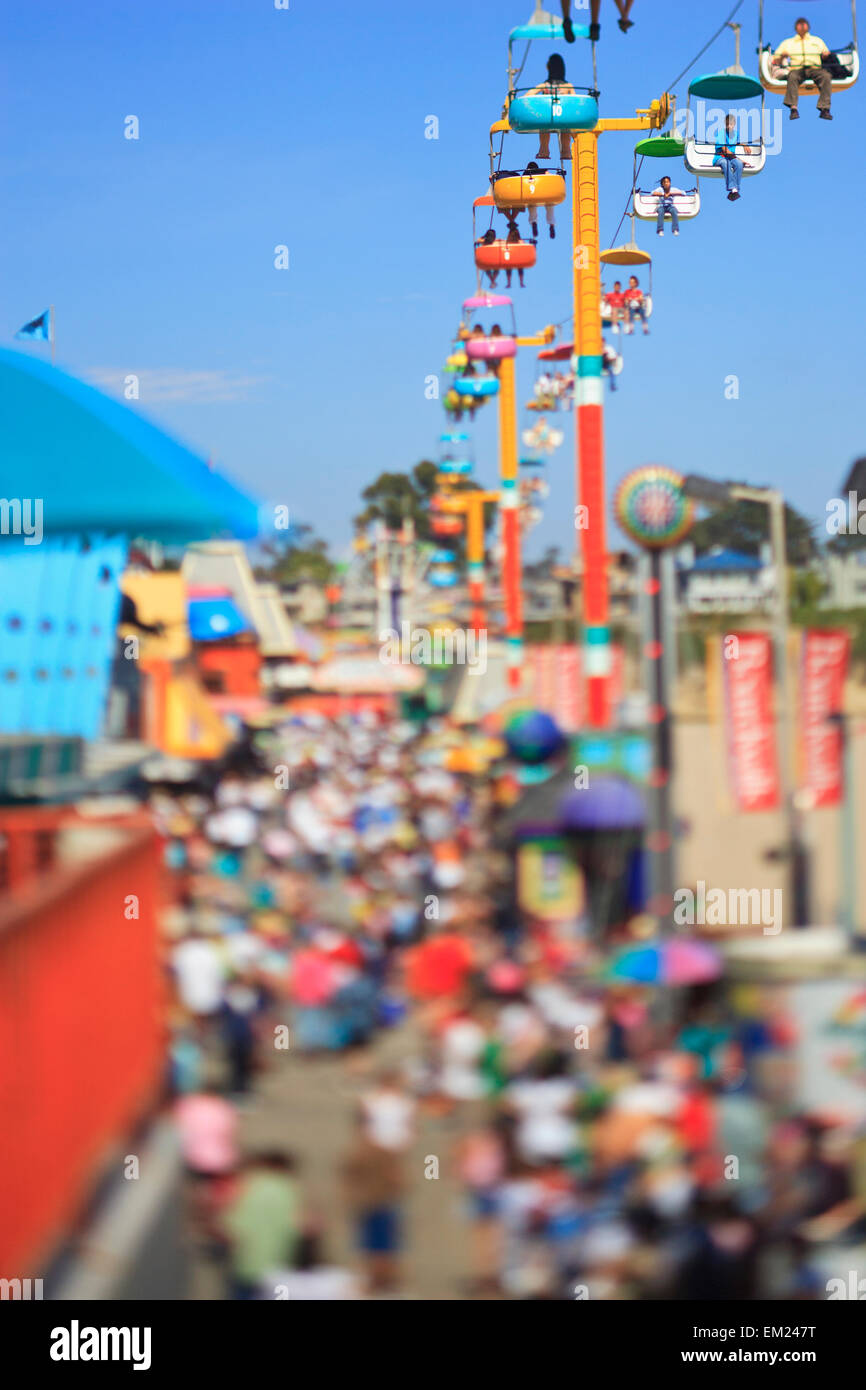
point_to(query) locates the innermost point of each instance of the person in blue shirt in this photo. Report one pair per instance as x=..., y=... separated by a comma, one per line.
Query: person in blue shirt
x=727, y=159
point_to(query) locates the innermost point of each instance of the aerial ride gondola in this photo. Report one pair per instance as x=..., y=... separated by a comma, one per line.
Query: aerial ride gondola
x=548, y=106
x=492, y=344
x=477, y=387
x=845, y=60
x=455, y=455
x=730, y=85
x=446, y=525
x=631, y=255
x=646, y=205
x=441, y=573
x=517, y=189
x=493, y=254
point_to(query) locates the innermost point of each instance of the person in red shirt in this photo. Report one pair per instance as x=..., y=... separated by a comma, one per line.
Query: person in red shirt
x=616, y=303
x=635, y=305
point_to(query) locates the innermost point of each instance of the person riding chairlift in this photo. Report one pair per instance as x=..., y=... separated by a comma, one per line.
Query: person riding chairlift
x=533, y=168
x=624, y=7
x=616, y=304
x=727, y=159
x=803, y=56
x=666, y=194
x=495, y=363
x=635, y=305
x=555, y=86
x=489, y=239
x=513, y=239
x=609, y=357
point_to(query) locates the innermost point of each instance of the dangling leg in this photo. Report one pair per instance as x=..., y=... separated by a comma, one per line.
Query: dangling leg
x=567, y=26
x=624, y=7
x=824, y=83
x=792, y=91
x=543, y=145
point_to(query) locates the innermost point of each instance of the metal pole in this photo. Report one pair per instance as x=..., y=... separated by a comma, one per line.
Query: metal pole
x=475, y=559
x=848, y=836
x=660, y=841
x=589, y=425
x=408, y=580
x=510, y=521
x=799, y=859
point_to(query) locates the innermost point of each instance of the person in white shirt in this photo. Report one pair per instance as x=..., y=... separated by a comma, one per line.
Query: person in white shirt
x=199, y=973
x=388, y=1115
x=667, y=207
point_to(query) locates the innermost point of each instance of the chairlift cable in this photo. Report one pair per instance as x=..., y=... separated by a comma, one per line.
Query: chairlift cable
x=671, y=85
x=635, y=172
x=669, y=88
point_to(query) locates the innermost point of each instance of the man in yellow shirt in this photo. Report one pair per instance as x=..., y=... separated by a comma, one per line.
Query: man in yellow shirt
x=802, y=56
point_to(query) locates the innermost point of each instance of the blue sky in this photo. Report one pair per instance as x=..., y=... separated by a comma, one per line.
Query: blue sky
x=306, y=127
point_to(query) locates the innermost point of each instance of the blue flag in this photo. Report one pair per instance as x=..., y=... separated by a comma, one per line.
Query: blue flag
x=37, y=328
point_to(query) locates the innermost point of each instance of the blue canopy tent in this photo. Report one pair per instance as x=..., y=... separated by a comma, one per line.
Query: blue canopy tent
x=98, y=466
x=80, y=475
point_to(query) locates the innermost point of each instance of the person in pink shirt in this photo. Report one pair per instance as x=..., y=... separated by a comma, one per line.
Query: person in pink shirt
x=208, y=1127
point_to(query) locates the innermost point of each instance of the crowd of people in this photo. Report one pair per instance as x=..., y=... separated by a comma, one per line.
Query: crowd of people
x=342, y=882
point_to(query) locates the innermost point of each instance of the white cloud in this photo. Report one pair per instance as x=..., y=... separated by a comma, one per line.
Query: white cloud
x=202, y=387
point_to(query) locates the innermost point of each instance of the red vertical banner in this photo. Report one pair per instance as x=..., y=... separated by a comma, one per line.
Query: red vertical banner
x=568, y=688
x=750, y=735
x=544, y=692
x=823, y=668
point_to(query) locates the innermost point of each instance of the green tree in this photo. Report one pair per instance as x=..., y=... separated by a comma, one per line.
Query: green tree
x=744, y=526
x=301, y=557
x=394, y=497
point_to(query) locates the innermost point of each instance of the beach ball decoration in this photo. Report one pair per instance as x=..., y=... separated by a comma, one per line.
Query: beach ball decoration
x=532, y=736
x=652, y=508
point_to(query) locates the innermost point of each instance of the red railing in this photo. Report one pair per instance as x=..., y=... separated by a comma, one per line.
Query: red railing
x=81, y=1020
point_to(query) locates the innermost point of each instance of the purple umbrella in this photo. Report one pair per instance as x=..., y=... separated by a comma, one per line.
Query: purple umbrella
x=608, y=803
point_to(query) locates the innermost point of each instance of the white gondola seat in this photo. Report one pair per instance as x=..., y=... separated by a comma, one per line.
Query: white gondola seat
x=646, y=205
x=775, y=79
x=699, y=156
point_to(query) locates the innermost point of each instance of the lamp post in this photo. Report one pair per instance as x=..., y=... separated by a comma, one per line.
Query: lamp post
x=654, y=511
x=715, y=493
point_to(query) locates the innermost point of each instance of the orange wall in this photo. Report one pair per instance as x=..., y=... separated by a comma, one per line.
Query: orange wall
x=81, y=1036
x=239, y=666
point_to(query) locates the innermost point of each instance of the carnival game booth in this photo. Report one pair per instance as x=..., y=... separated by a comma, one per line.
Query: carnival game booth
x=82, y=1031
